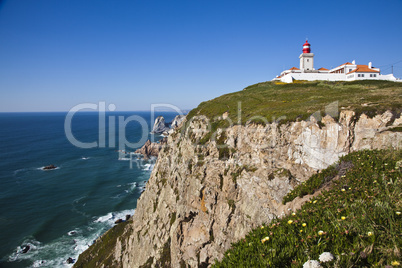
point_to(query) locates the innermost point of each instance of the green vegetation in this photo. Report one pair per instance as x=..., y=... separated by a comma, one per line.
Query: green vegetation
x=101, y=252
x=358, y=220
x=269, y=101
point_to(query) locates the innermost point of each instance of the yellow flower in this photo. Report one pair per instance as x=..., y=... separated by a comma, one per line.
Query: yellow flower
x=370, y=233
x=320, y=232
x=304, y=224
x=343, y=190
x=293, y=214
x=398, y=213
x=290, y=221
x=301, y=231
x=315, y=201
x=262, y=227
x=265, y=239
x=343, y=218
x=395, y=263
x=375, y=181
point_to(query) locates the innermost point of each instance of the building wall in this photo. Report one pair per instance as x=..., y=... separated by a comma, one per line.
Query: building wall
x=334, y=77
x=312, y=77
x=306, y=61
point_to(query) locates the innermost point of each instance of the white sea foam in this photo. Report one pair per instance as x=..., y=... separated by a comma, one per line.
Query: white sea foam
x=85, y=158
x=148, y=167
x=123, y=159
x=56, y=253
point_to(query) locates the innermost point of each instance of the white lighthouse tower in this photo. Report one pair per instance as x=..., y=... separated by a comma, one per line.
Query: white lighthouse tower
x=306, y=59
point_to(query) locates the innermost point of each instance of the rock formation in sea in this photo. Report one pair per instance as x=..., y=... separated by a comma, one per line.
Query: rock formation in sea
x=202, y=196
x=160, y=126
x=151, y=148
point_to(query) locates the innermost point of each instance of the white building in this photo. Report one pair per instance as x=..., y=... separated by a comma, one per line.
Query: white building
x=345, y=72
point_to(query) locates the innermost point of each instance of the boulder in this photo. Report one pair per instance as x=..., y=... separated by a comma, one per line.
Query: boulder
x=70, y=260
x=118, y=221
x=25, y=249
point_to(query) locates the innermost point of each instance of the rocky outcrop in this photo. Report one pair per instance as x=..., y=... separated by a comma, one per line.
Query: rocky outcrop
x=177, y=121
x=202, y=197
x=160, y=125
x=151, y=148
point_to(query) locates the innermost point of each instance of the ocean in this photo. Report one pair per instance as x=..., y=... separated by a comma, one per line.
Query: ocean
x=58, y=213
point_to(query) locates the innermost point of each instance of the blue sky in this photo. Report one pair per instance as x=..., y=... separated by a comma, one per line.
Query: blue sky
x=57, y=54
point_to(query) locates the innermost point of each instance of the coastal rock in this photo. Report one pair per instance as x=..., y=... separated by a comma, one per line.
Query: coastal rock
x=49, y=167
x=151, y=148
x=198, y=202
x=118, y=221
x=25, y=249
x=177, y=121
x=160, y=126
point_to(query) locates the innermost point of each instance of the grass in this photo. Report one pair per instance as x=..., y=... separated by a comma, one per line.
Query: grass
x=358, y=220
x=268, y=102
x=101, y=252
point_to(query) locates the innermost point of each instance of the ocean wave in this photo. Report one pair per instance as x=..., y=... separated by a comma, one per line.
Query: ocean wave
x=148, y=167
x=111, y=217
x=70, y=245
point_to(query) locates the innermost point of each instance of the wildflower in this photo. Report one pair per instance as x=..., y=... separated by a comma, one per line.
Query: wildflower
x=342, y=190
x=249, y=244
x=320, y=232
x=304, y=224
x=343, y=218
x=290, y=221
x=294, y=214
x=326, y=257
x=262, y=227
x=265, y=239
x=375, y=181
x=311, y=264
x=301, y=231
x=395, y=263
x=315, y=201
x=370, y=233
x=398, y=213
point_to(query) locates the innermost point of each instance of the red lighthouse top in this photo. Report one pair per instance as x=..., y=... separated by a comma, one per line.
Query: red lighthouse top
x=306, y=47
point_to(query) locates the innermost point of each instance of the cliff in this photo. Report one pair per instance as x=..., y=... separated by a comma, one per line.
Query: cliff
x=210, y=188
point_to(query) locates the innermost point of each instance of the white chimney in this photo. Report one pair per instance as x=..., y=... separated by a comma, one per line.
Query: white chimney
x=370, y=65
x=354, y=62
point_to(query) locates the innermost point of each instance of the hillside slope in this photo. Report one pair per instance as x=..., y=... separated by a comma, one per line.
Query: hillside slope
x=215, y=181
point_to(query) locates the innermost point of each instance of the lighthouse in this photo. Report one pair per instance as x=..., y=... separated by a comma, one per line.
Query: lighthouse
x=306, y=59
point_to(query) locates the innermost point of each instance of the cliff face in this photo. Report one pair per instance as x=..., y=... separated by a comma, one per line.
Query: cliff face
x=201, y=198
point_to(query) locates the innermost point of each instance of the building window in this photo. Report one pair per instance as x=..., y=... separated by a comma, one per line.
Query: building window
x=375, y=75
x=362, y=75
x=307, y=60
x=371, y=75
x=350, y=70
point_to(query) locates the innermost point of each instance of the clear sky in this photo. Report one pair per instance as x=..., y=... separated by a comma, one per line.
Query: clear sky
x=55, y=54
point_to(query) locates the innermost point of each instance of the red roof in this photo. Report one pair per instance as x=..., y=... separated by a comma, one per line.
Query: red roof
x=323, y=69
x=348, y=63
x=294, y=68
x=363, y=69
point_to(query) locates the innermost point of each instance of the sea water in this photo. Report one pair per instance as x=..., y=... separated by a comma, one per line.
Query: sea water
x=58, y=213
